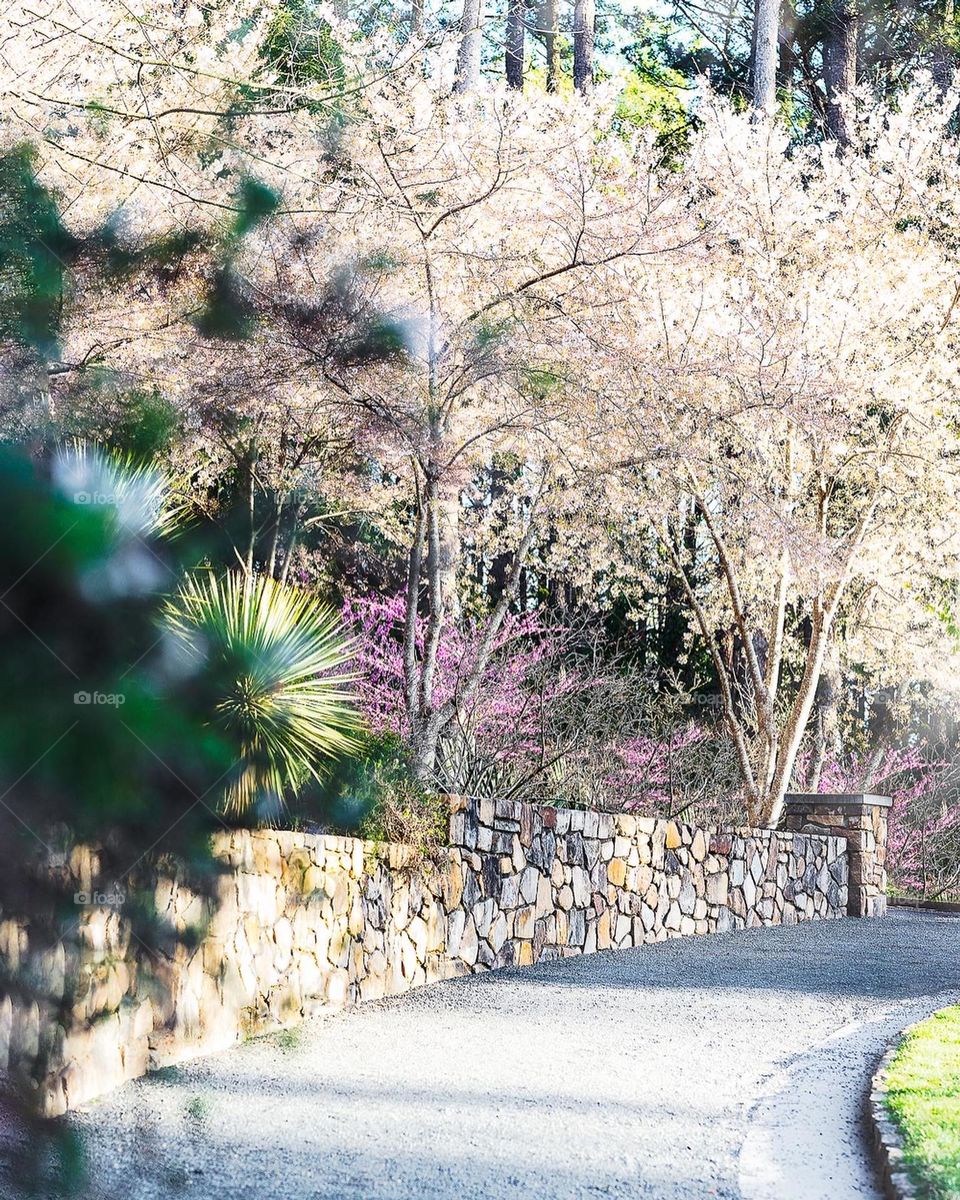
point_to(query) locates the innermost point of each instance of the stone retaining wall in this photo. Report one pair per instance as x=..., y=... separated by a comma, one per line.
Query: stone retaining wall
x=304, y=923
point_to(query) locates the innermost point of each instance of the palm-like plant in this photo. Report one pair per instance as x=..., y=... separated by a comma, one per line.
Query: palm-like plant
x=140, y=496
x=278, y=657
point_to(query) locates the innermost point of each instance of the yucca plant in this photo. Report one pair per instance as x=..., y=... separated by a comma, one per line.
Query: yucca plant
x=140, y=496
x=277, y=657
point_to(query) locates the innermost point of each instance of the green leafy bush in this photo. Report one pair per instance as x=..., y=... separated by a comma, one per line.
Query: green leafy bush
x=376, y=790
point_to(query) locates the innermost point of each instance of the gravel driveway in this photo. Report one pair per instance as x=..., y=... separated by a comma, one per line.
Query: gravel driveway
x=730, y=1066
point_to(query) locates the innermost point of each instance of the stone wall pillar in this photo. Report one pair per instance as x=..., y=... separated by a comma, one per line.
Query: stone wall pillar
x=861, y=818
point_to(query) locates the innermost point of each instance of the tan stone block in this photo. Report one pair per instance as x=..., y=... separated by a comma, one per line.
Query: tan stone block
x=603, y=930
x=341, y=894
x=525, y=954
x=616, y=871
x=563, y=928
x=337, y=986
x=519, y=857
x=544, y=901
x=716, y=889
x=373, y=987
x=417, y=933
x=314, y=881
x=673, y=837
x=524, y=922
x=213, y=951
x=499, y=932
x=408, y=957
x=453, y=883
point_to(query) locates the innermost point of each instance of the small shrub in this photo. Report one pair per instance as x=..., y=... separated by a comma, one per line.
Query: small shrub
x=288, y=1039
x=378, y=796
x=198, y=1108
x=410, y=816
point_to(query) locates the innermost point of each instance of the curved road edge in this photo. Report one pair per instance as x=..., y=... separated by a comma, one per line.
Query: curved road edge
x=808, y=1133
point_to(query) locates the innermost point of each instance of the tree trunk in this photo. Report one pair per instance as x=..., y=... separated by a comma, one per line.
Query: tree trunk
x=468, y=60
x=416, y=17
x=251, y=486
x=944, y=55
x=515, y=38
x=787, y=57
x=840, y=65
x=826, y=731
x=882, y=729
x=765, y=55
x=583, y=32
x=547, y=28
x=448, y=549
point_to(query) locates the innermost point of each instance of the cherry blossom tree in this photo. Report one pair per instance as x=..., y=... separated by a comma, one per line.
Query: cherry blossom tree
x=798, y=389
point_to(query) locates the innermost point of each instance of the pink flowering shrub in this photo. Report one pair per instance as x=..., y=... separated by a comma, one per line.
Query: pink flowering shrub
x=504, y=700
x=645, y=768
x=549, y=722
x=923, y=852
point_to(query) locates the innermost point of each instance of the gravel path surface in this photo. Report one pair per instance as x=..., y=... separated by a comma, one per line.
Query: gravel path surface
x=728, y=1066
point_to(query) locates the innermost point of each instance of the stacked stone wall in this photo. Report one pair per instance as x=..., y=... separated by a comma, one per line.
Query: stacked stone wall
x=302, y=924
x=861, y=819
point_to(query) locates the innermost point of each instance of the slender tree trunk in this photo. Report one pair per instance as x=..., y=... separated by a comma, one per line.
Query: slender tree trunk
x=840, y=65
x=944, y=54
x=787, y=58
x=766, y=41
x=429, y=719
x=251, y=482
x=547, y=28
x=821, y=629
x=292, y=543
x=416, y=17
x=471, y=36
x=752, y=62
x=882, y=732
x=826, y=730
x=584, y=19
x=516, y=20
x=448, y=548
x=275, y=536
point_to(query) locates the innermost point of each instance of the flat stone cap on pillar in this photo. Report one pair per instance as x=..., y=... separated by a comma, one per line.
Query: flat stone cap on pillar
x=837, y=800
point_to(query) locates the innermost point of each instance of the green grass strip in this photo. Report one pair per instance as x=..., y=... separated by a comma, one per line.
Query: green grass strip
x=923, y=1098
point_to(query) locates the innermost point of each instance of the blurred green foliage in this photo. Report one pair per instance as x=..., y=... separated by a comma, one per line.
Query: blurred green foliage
x=301, y=48
x=35, y=252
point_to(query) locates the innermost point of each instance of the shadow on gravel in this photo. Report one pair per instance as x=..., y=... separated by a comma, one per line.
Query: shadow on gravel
x=904, y=954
